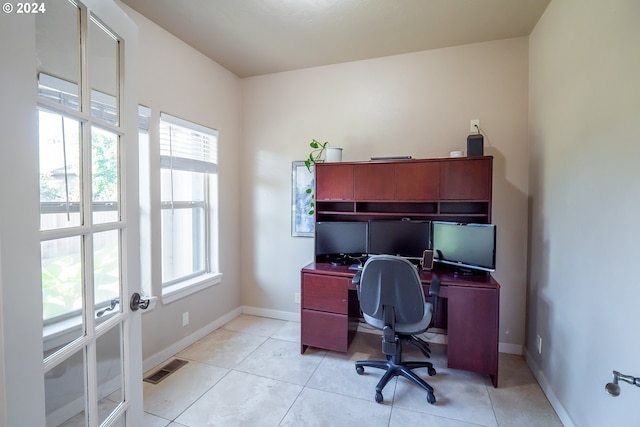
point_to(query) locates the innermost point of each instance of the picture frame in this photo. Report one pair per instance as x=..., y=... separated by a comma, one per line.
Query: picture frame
x=302, y=222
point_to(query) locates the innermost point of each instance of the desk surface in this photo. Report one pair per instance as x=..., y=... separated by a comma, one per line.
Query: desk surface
x=447, y=277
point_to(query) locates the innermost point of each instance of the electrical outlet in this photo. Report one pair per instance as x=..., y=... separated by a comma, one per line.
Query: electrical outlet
x=296, y=297
x=539, y=344
x=185, y=318
x=473, y=124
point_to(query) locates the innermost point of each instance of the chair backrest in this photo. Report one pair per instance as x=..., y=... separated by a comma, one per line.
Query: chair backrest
x=393, y=281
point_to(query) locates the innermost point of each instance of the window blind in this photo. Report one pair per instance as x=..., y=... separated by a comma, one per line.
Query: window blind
x=187, y=146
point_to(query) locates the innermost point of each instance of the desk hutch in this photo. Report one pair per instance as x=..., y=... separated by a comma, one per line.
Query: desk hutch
x=446, y=189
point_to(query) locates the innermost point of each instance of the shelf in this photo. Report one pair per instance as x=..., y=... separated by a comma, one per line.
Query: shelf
x=457, y=190
x=465, y=208
x=397, y=208
x=337, y=207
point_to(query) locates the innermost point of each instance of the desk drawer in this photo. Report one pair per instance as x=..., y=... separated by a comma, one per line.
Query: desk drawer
x=325, y=293
x=325, y=330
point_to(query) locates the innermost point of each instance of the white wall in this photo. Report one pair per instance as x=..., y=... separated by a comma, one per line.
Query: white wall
x=418, y=104
x=176, y=79
x=584, y=134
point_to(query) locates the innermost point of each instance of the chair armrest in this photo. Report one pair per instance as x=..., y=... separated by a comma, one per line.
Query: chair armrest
x=434, y=286
x=356, y=279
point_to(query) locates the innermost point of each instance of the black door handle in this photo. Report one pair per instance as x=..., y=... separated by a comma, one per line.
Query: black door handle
x=137, y=302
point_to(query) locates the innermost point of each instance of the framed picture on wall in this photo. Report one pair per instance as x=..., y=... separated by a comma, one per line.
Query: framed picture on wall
x=302, y=200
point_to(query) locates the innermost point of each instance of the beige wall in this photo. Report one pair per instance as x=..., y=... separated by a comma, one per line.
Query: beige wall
x=584, y=133
x=176, y=79
x=417, y=104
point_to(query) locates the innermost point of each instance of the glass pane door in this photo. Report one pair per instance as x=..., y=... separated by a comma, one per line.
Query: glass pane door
x=83, y=228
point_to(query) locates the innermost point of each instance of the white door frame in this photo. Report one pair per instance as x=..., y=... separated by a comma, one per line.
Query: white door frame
x=22, y=399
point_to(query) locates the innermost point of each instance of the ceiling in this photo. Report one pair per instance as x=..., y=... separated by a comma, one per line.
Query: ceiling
x=254, y=37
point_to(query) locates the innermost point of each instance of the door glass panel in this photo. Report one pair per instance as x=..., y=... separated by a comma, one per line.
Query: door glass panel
x=106, y=274
x=65, y=392
x=103, y=72
x=58, y=53
x=62, y=294
x=110, y=368
x=105, y=175
x=60, y=177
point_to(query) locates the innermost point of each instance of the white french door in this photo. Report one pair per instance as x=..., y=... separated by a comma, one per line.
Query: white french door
x=87, y=264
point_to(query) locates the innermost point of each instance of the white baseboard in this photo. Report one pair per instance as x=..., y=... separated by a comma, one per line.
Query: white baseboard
x=273, y=314
x=505, y=347
x=185, y=342
x=546, y=388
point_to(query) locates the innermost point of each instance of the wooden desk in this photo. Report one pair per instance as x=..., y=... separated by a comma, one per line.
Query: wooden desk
x=330, y=314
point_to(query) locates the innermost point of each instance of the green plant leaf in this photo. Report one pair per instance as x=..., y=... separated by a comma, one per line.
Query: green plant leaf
x=308, y=191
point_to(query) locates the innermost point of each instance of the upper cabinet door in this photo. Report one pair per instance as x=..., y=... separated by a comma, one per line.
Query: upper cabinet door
x=417, y=181
x=374, y=181
x=466, y=179
x=334, y=181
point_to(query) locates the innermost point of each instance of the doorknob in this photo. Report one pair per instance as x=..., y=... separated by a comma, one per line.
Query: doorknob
x=614, y=389
x=137, y=302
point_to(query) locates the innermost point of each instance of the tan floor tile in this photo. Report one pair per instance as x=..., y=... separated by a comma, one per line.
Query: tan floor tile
x=319, y=408
x=262, y=326
x=271, y=383
x=281, y=360
x=242, y=399
x=175, y=393
x=223, y=348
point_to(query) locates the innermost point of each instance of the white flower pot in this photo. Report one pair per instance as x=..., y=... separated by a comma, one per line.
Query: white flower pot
x=333, y=155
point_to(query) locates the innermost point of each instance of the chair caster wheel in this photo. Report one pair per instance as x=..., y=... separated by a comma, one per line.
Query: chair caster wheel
x=432, y=371
x=359, y=370
x=431, y=398
x=379, y=397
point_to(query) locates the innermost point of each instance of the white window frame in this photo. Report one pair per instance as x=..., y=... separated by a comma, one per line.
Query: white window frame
x=210, y=275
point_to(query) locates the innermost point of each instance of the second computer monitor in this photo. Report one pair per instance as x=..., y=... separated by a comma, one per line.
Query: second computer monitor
x=341, y=238
x=404, y=238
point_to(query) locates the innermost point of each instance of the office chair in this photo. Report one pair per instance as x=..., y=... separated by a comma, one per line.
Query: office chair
x=392, y=300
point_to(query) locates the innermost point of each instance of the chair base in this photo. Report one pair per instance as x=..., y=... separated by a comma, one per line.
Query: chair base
x=395, y=368
x=418, y=343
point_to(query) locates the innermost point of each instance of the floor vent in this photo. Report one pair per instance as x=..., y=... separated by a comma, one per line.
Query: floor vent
x=165, y=371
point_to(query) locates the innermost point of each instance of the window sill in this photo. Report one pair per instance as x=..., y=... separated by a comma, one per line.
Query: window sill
x=180, y=290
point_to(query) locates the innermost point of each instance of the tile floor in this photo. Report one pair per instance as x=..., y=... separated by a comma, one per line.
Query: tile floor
x=250, y=373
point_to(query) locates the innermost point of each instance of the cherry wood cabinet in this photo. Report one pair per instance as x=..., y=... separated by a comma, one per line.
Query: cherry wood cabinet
x=466, y=179
x=447, y=189
x=417, y=181
x=374, y=181
x=334, y=181
x=326, y=319
x=473, y=347
x=469, y=311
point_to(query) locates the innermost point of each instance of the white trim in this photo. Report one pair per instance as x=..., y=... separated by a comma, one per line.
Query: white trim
x=189, y=125
x=273, y=314
x=505, y=347
x=548, y=391
x=185, y=342
x=180, y=290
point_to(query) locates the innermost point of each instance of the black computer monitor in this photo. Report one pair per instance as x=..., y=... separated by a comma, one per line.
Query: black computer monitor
x=341, y=238
x=404, y=238
x=466, y=246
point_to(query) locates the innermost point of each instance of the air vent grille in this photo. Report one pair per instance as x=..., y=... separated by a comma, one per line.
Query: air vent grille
x=165, y=371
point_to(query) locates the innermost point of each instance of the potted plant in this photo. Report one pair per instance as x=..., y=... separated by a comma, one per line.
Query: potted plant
x=317, y=150
x=316, y=153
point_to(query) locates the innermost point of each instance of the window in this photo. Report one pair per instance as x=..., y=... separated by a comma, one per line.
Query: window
x=189, y=194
